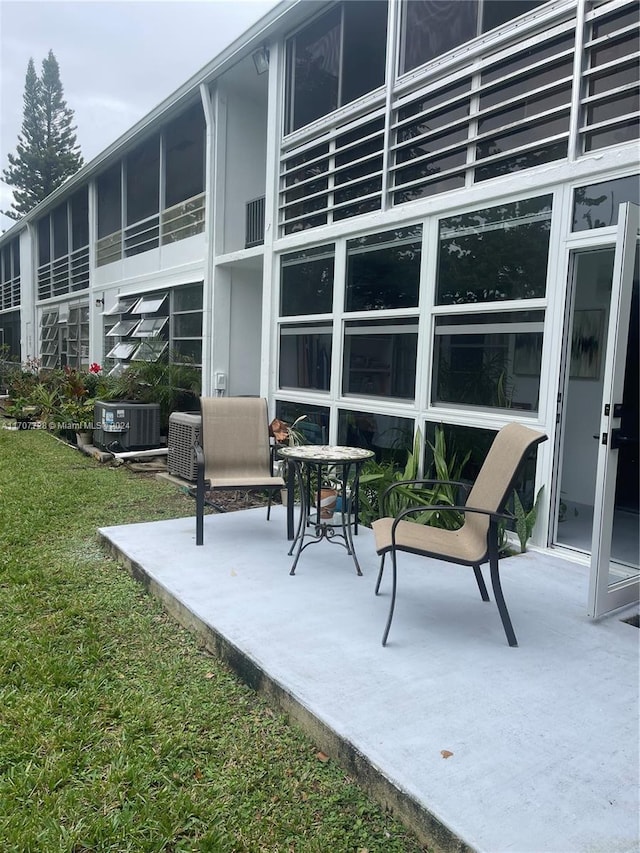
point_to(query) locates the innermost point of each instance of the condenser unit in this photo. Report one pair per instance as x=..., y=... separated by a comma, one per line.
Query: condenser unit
x=184, y=432
x=120, y=426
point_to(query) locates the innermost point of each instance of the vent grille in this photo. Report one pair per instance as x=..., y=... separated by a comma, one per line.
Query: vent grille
x=184, y=432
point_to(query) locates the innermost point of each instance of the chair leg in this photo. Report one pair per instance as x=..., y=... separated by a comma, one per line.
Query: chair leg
x=380, y=573
x=199, y=516
x=481, y=584
x=269, y=505
x=497, y=590
x=393, y=598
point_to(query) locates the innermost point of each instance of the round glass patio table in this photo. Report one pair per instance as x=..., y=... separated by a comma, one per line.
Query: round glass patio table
x=309, y=464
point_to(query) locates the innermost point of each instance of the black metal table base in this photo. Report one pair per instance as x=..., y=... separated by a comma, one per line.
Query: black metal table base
x=336, y=533
x=324, y=530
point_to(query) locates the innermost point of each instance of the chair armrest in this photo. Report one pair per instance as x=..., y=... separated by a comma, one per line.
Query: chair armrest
x=199, y=454
x=420, y=482
x=493, y=516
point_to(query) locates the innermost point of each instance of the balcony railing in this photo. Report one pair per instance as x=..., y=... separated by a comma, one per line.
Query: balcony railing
x=254, y=232
x=65, y=274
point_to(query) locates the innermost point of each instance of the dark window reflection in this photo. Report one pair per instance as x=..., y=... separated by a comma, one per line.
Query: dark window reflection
x=495, y=254
x=489, y=360
x=336, y=59
x=143, y=181
x=44, y=241
x=109, y=201
x=305, y=357
x=383, y=270
x=596, y=205
x=80, y=218
x=307, y=282
x=380, y=358
x=390, y=437
x=315, y=424
x=433, y=27
x=185, y=156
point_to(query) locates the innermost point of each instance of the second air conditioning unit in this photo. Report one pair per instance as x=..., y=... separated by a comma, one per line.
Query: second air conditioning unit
x=184, y=432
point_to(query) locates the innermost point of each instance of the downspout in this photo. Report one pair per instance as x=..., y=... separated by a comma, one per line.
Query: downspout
x=209, y=208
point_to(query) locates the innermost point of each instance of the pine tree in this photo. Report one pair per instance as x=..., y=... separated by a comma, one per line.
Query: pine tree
x=47, y=152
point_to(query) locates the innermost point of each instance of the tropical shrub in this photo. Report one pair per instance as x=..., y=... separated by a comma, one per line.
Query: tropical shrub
x=378, y=476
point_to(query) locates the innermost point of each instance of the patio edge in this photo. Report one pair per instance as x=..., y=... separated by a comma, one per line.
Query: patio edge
x=425, y=826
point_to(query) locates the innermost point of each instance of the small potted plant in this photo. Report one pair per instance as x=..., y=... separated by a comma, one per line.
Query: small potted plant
x=77, y=416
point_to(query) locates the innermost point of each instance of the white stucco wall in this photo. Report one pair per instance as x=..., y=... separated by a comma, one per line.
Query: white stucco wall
x=245, y=172
x=245, y=332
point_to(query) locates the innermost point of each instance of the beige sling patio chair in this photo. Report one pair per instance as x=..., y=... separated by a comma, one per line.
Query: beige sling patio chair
x=477, y=540
x=234, y=451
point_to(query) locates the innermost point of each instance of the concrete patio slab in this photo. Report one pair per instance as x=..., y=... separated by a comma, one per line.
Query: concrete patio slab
x=542, y=740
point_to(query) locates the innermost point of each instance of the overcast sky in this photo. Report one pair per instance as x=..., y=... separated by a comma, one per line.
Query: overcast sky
x=118, y=58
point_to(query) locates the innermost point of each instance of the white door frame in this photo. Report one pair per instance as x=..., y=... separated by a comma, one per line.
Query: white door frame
x=603, y=597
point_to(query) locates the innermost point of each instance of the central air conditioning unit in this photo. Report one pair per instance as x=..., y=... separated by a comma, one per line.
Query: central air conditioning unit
x=121, y=426
x=184, y=432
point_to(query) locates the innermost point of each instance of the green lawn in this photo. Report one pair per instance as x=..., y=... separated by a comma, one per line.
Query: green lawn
x=117, y=732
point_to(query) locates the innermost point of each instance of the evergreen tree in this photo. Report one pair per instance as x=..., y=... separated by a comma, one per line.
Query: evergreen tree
x=47, y=152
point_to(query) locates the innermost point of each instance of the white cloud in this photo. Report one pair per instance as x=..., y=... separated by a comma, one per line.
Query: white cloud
x=118, y=59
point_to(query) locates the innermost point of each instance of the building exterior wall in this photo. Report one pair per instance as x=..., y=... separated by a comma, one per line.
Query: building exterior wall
x=538, y=107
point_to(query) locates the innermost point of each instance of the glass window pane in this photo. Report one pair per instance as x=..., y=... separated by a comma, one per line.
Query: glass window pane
x=60, y=231
x=444, y=185
x=109, y=201
x=488, y=360
x=383, y=270
x=149, y=304
x=184, y=156
x=307, y=282
x=305, y=357
x=526, y=58
x=495, y=254
x=365, y=42
x=123, y=305
x=15, y=253
x=143, y=181
x=187, y=325
x=150, y=327
x=433, y=27
x=523, y=160
x=149, y=350
x=80, y=219
x=44, y=241
x=616, y=135
x=428, y=169
x=388, y=436
x=613, y=107
x=496, y=12
x=121, y=351
x=315, y=425
x=596, y=205
x=187, y=351
x=121, y=328
x=524, y=109
x=188, y=298
x=380, y=358
x=315, y=66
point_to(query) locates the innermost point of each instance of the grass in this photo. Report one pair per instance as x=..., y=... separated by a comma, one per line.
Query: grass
x=117, y=732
